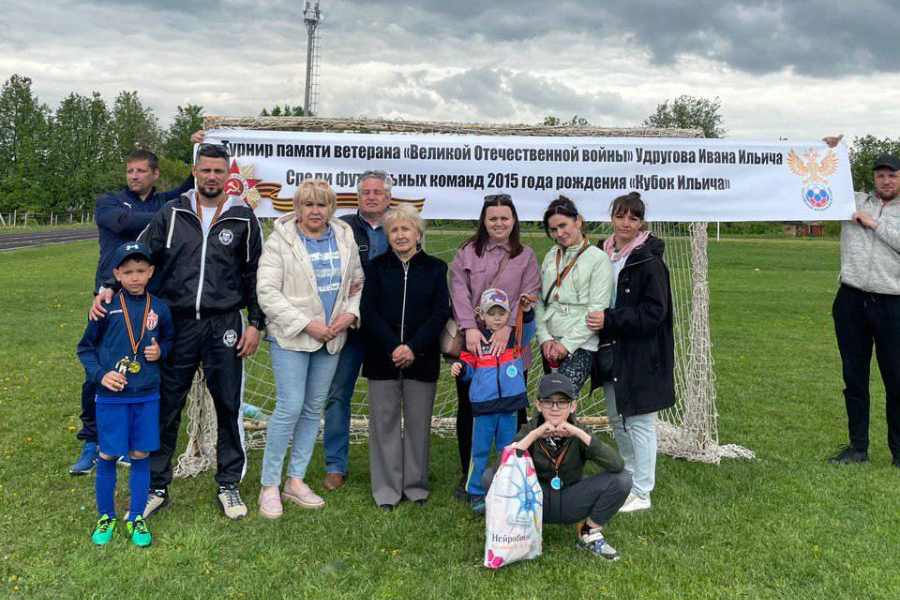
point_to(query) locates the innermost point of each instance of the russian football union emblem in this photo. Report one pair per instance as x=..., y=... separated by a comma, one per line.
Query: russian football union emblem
x=815, y=193
x=241, y=183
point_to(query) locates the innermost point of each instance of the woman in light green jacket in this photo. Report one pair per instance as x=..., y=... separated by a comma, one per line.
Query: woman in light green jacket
x=576, y=279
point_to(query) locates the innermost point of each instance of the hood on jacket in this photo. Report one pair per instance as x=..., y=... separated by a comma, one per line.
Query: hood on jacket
x=653, y=246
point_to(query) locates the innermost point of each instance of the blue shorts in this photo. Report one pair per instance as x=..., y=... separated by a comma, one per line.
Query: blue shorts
x=124, y=427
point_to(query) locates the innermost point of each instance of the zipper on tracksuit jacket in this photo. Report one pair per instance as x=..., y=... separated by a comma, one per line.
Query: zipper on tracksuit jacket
x=203, y=255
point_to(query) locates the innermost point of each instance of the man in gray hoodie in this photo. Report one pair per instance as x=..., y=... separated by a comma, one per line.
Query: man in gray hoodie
x=866, y=309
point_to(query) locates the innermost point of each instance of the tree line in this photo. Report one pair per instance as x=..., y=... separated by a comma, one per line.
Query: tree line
x=62, y=159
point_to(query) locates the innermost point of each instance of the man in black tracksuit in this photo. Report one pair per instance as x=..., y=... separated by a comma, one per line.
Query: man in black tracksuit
x=206, y=247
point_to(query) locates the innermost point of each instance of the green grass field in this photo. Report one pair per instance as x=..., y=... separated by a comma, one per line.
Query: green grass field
x=784, y=526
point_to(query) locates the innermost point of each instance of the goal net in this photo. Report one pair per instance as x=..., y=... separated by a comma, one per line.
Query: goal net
x=688, y=430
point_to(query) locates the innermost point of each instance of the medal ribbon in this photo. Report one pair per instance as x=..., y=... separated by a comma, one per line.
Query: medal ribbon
x=217, y=213
x=561, y=276
x=555, y=462
x=134, y=344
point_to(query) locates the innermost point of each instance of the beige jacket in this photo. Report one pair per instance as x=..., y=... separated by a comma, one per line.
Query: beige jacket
x=286, y=285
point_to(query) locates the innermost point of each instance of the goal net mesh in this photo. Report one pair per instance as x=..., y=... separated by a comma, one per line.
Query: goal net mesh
x=688, y=430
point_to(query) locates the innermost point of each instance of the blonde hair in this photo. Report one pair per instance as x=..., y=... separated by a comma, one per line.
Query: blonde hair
x=404, y=212
x=315, y=189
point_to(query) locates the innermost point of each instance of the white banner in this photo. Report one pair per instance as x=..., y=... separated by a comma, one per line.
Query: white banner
x=447, y=176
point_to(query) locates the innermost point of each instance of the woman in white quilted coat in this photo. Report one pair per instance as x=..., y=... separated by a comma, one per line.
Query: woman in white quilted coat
x=308, y=285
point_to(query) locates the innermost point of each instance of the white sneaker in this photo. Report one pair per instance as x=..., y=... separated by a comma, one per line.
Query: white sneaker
x=634, y=503
x=230, y=501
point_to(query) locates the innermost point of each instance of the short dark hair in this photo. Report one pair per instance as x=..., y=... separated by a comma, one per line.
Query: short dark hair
x=213, y=151
x=629, y=203
x=136, y=155
x=560, y=206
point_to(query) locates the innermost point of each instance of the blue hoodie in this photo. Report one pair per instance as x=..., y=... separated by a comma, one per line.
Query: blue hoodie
x=106, y=341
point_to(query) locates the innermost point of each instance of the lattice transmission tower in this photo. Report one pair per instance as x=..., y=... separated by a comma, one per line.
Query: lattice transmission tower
x=312, y=16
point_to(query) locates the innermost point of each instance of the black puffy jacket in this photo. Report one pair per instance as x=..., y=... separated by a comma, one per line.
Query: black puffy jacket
x=404, y=304
x=202, y=276
x=640, y=329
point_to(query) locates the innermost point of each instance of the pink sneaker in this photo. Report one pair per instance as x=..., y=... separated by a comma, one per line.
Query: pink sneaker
x=301, y=495
x=269, y=503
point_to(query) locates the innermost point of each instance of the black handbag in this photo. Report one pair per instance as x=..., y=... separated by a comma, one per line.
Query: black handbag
x=603, y=362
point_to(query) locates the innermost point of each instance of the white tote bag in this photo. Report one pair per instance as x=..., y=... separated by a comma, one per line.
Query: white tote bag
x=513, y=511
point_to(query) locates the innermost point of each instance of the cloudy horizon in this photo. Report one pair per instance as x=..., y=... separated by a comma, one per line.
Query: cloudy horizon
x=797, y=69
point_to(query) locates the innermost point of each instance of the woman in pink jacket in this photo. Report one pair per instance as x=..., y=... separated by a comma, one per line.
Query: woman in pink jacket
x=492, y=258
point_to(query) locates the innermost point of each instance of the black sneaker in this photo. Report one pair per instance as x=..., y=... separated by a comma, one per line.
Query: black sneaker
x=460, y=492
x=157, y=500
x=849, y=454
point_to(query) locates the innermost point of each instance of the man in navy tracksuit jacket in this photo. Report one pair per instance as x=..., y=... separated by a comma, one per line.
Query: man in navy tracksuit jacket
x=120, y=215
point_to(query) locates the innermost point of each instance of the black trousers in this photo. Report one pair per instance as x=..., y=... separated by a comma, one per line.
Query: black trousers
x=861, y=320
x=212, y=342
x=465, y=420
x=88, y=431
x=598, y=496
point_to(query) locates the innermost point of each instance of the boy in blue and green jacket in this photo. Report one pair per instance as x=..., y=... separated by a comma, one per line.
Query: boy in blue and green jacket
x=121, y=354
x=498, y=385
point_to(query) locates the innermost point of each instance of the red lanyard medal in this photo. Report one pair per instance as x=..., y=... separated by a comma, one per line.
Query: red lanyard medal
x=128, y=364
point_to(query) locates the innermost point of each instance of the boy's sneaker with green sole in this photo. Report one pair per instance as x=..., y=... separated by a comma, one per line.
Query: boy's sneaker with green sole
x=104, y=530
x=137, y=530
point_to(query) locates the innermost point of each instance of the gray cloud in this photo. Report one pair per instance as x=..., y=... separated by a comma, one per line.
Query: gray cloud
x=813, y=37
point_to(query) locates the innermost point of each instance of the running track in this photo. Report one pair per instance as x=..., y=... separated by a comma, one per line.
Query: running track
x=28, y=239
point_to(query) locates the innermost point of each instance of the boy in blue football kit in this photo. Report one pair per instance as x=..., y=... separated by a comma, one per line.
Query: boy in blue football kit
x=497, y=391
x=121, y=354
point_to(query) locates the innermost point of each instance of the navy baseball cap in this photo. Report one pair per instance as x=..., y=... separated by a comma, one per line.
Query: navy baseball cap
x=886, y=161
x=130, y=250
x=556, y=383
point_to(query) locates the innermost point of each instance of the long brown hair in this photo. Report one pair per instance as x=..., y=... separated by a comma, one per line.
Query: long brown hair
x=481, y=238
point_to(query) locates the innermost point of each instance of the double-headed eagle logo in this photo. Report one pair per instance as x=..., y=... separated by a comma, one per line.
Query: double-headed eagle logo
x=816, y=193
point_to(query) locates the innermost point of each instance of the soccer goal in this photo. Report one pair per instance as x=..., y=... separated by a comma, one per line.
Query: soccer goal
x=688, y=430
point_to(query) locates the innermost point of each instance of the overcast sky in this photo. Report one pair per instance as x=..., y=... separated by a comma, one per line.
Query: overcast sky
x=793, y=68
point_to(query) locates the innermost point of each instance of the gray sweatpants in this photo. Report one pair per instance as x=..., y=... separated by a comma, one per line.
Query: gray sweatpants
x=598, y=496
x=398, y=455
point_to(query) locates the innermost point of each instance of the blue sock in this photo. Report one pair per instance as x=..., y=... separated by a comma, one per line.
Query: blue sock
x=105, y=486
x=139, y=486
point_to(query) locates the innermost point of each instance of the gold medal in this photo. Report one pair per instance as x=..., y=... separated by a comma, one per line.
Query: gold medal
x=132, y=366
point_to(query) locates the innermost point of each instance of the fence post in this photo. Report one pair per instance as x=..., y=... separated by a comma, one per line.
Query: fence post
x=15, y=211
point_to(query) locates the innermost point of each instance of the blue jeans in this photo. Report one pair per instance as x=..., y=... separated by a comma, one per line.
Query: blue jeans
x=636, y=440
x=497, y=428
x=336, y=433
x=302, y=380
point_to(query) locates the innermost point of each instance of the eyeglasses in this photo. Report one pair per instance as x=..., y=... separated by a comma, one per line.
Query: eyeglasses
x=497, y=198
x=548, y=404
x=214, y=147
